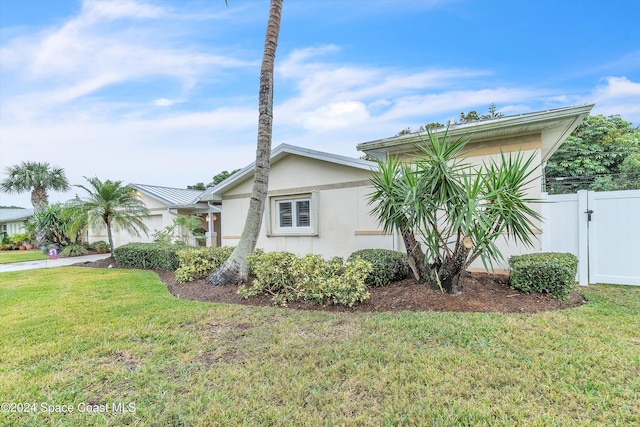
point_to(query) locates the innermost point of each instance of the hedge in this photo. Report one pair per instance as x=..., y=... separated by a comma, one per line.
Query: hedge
x=198, y=263
x=388, y=266
x=288, y=277
x=547, y=272
x=147, y=255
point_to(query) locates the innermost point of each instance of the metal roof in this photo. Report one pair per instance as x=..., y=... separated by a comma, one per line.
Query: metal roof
x=170, y=196
x=13, y=215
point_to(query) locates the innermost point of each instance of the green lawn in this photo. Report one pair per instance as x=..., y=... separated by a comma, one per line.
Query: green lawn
x=88, y=337
x=19, y=256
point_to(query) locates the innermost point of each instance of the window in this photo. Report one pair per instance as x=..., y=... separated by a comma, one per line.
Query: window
x=294, y=213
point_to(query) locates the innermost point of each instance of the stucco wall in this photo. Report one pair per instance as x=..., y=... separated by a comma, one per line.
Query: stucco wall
x=159, y=218
x=344, y=224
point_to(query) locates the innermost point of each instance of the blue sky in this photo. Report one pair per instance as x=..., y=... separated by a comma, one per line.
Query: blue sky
x=165, y=92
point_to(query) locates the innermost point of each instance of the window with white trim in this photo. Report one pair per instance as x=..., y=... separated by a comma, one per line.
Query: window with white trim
x=294, y=214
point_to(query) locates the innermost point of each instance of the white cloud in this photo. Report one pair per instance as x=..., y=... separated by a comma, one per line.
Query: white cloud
x=120, y=9
x=99, y=49
x=337, y=115
x=164, y=102
x=334, y=95
x=618, y=95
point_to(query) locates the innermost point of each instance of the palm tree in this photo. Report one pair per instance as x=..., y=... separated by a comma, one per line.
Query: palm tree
x=37, y=177
x=236, y=269
x=113, y=205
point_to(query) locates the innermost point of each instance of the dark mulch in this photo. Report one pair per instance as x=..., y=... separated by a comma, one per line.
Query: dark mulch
x=482, y=293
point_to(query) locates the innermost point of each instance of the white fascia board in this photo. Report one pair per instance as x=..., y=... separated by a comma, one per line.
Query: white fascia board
x=483, y=129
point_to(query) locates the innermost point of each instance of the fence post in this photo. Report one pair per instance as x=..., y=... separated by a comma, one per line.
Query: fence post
x=583, y=238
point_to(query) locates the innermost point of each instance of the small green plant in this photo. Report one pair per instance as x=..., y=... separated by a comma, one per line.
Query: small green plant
x=274, y=276
x=100, y=247
x=18, y=239
x=547, y=272
x=198, y=263
x=288, y=277
x=74, y=250
x=147, y=255
x=349, y=287
x=388, y=265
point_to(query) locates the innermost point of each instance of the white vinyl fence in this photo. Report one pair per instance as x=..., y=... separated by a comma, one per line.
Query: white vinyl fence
x=601, y=228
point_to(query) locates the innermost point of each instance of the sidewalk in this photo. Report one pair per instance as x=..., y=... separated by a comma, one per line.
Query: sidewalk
x=49, y=263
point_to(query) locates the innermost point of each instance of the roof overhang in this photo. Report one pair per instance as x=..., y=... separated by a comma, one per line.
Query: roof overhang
x=554, y=126
x=278, y=153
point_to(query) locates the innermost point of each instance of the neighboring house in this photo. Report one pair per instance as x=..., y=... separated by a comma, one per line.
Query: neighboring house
x=317, y=202
x=164, y=205
x=12, y=220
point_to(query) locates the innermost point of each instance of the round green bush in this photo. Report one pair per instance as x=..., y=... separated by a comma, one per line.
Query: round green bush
x=388, y=266
x=545, y=272
x=74, y=250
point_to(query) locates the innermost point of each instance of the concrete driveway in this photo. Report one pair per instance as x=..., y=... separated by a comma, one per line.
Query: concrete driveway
x=49, y=263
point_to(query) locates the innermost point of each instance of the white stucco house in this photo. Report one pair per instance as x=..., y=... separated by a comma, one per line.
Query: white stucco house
x=12, y=221
x=164, y=205
x=316, y=204
x=317, y=201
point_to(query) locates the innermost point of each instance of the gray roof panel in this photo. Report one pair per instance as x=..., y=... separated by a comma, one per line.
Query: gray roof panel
x=168, y=195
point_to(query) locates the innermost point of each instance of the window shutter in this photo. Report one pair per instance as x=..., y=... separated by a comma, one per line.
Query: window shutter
x=286, y=214
x=303, y=213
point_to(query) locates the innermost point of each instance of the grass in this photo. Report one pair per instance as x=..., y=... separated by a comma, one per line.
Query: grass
x=90, y=337
x=20, y=256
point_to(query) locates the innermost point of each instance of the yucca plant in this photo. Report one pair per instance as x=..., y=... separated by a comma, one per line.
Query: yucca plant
x=449, y=212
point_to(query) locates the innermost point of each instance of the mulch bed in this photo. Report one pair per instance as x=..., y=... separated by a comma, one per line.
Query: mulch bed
x=482, y=293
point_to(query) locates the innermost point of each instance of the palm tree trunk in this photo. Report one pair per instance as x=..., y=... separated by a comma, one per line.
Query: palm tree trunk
x=236, y=269
x=109, y=235
x=39, y=201
x=415, y=256
x=449, y=273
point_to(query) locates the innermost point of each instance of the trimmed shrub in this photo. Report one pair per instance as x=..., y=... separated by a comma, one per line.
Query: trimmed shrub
x=198, y=263
x=147, y=256
x=388, y=266
x=100, y=247
x=547, y=272
x=288, y=277
x=275, y=275
x=350, y=287
x=74, y=250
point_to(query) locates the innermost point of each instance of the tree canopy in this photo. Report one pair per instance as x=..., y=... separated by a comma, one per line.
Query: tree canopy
x=39, y=178
x=110, y=203
x=217, y=179
x=601, y=154
x=471, y=116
